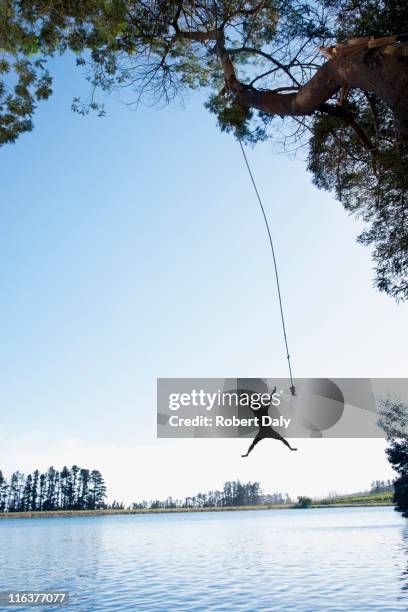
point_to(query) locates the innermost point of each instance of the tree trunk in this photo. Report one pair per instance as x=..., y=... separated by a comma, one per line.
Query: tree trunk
x=374, y=70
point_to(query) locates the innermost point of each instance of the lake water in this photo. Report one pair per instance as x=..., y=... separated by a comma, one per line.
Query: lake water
x=302, y=560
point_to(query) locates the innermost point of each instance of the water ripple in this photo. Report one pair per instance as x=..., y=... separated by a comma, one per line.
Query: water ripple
x=331, y=560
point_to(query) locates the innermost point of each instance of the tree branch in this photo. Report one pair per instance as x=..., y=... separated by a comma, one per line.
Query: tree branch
x=274, y=61
x=382, y=74
x=348, y=119
x=355, y=69
x=196, y=35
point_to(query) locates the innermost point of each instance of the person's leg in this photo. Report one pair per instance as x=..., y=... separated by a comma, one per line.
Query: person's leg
x=254, y=443
x=286, y=443
x=276, y=436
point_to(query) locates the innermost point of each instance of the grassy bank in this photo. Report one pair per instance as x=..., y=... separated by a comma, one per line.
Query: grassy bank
x=372, y=499
x=49, y=513
x=369, y=499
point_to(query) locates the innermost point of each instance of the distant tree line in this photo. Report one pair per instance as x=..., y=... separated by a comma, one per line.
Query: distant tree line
x=381, y=486
x=70, y=489
x=233, y=493
x=277, y=498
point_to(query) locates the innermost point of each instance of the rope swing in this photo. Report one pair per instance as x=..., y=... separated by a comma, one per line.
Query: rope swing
x=275, y=265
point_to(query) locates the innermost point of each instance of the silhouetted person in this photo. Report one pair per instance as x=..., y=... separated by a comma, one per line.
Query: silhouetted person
x=265, y=431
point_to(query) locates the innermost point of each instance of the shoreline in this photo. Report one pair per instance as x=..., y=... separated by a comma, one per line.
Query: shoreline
x=79, y=513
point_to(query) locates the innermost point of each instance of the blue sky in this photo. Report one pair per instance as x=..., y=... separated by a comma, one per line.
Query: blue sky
x=132, y=247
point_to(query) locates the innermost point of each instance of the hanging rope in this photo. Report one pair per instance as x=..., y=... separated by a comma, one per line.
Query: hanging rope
x=292, y=386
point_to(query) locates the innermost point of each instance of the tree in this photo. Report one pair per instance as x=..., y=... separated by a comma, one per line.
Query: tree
x=83, y=486
x=34, y=490
x=73, y=490
x=14, y=492
x=97, y=491
x=42, y=488
x=50, y=501
x=27, y=494
x=303, y=502
x=261, y=61
x=53, y=490
x=66, y=488
x=3, y=493
x=394, y=421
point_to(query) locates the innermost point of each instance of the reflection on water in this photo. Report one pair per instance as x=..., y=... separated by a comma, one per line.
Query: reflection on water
x=404, y=553
x=305, y=560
